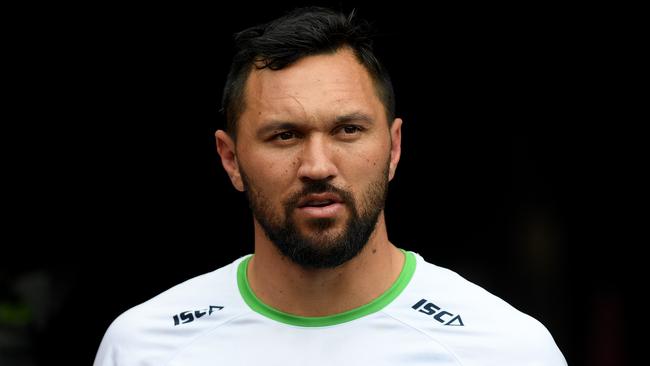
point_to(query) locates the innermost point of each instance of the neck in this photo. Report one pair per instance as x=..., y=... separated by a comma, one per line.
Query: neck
x=288, y=287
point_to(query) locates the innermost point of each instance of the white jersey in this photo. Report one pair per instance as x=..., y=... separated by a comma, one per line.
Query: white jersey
x=430, y=316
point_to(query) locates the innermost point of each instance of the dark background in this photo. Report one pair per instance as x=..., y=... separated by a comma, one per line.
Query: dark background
x=518, y=171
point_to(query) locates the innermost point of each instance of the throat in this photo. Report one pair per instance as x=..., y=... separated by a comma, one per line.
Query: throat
x=292, y=289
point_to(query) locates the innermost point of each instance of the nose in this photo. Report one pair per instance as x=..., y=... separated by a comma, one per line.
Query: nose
x=316, y=161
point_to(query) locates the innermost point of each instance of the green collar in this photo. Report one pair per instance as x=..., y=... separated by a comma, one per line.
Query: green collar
x=375, y=305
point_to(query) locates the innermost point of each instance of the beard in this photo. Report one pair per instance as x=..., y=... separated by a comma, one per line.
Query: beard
x=324, y=248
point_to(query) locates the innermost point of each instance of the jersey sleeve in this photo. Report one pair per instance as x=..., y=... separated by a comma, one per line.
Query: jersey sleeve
x=539, y=348
x=127, y=343
x=108, y=352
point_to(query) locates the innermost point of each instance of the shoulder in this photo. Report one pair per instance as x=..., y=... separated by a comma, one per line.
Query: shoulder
x=156, y=328
x=473, y=323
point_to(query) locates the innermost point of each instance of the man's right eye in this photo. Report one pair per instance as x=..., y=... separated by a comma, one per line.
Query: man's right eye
x=287, y=135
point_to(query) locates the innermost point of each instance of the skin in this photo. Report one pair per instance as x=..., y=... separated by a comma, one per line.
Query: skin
x=278, y=158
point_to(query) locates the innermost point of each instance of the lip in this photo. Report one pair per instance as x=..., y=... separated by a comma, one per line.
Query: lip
x=331, y=210
x=327, y=196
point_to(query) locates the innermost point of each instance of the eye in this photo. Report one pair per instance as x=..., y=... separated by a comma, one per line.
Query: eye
x=351, y=129
x=286, y=135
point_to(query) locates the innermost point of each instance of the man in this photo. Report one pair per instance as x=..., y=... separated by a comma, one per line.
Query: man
x=312, y=140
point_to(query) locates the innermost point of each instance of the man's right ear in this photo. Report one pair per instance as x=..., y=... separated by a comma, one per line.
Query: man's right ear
x=228, y=154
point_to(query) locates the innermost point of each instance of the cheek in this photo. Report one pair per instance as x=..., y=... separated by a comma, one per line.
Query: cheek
x=365, y=171
x=270, y=176
x=369, y=163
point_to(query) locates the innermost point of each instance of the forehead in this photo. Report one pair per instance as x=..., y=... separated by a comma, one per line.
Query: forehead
x=314, y=87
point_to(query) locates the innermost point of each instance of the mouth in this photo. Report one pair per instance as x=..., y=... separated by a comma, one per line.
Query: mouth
x=320, y=200
x=324, y=205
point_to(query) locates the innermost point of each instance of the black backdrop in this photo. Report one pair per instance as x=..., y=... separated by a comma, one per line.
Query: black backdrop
x=513, y=173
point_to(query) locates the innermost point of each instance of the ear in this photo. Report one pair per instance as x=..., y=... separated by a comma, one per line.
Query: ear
x=396, y=146
x=228, y=154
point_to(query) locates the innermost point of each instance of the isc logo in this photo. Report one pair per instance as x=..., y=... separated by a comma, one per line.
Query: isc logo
x=189, y=316
x=443, y=316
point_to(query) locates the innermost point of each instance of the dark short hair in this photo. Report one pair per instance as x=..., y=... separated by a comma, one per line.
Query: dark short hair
x=300, y=33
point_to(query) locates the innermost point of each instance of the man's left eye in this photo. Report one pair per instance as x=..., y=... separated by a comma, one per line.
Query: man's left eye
x=351, y=129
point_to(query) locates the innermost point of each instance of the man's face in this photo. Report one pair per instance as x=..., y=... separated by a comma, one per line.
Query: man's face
x=315, y=154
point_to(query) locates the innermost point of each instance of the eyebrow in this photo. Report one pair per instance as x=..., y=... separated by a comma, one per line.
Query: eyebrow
x=355, y=116
x=339, y=120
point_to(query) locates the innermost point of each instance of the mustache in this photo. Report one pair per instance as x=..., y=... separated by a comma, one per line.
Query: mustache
x=318, y=186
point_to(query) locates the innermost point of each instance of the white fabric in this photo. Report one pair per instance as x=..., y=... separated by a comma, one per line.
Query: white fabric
x=493, y=332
